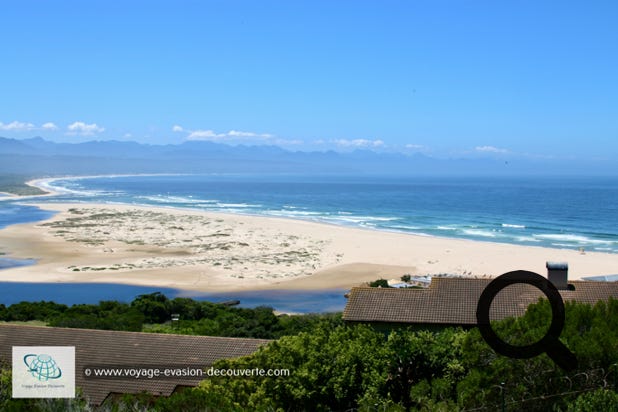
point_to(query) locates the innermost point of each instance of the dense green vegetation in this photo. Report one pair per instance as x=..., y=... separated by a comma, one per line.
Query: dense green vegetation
x=16, y=184
x=347, y=368
x=153, y=312
x=339, y=367
x=356, y=367
x=379, y=283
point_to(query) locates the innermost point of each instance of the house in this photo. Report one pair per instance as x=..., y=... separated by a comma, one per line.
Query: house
x=451, y=301
x=130, y=350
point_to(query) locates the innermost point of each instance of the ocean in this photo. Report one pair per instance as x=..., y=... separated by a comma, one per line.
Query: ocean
x=572, y=213
x=569, y=213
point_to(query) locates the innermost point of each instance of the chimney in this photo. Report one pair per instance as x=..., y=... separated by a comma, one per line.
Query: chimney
x=557, y=273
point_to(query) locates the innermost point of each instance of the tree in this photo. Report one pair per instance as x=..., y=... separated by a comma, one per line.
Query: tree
x=424, y=365
x=380, y=283
x=154, y=306
x=329, y=369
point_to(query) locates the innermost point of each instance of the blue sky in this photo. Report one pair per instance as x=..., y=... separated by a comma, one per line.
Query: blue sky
x=445, y=78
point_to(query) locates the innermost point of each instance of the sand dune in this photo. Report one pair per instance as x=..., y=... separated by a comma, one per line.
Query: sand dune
x=216, y=252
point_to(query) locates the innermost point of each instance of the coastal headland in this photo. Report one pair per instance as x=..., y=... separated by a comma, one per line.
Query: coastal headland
x=205, y=251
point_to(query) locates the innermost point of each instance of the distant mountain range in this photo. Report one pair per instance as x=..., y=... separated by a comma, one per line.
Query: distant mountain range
x=37, y=156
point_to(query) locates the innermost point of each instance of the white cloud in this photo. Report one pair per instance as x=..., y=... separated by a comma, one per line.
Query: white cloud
x=84, y=129
x=490, y=149
x=240, y=137
x=415, y=146
x=17, y=126
x=358, y=143
x=177, y=128
x=205, y=135
x=236, y=133
x=49, y=126
x=231, y=136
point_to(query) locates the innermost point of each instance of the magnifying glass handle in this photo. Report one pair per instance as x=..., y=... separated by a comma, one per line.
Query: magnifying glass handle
x=562, y=356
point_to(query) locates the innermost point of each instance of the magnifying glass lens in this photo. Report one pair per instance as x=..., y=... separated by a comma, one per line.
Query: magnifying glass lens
x=526, y=325
x=517, y=332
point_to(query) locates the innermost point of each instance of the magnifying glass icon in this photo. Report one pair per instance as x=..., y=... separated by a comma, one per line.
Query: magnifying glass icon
x=549, y=343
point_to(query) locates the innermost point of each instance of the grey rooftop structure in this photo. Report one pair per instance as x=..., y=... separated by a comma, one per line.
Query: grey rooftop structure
x=129, y=349
x=453, y=301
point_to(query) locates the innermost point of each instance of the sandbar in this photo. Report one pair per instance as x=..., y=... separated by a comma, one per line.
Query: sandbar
x=212, y=252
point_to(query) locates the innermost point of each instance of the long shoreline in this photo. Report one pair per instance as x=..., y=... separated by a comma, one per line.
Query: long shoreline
x=251, y=252
x=42, y=184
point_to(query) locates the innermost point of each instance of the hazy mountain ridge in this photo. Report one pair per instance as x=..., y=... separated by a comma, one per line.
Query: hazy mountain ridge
x=39, y=156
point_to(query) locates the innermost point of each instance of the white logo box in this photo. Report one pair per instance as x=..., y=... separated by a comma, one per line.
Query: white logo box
x=43, y=371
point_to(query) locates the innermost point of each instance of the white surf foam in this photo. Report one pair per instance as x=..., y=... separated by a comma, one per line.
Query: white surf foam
x=237, y=205
x=176, y=199
x=404, y=227
x=479, y=232
x=574, y=238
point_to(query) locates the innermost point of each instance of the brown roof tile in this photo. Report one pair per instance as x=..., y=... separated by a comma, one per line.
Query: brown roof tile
x=453, y=301
x=102, y=347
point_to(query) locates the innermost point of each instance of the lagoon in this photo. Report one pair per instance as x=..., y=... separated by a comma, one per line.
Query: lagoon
x=288, y=301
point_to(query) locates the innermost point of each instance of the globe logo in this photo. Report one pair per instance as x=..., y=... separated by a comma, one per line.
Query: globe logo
x=43, y=367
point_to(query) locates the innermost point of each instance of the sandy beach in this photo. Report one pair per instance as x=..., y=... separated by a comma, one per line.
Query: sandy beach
x=220, y=252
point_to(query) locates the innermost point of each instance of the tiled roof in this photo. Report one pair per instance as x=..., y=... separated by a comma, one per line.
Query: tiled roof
x=129, y=349
x=453, y=301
